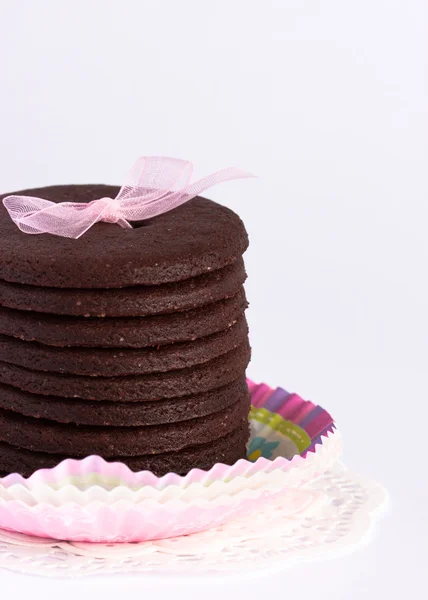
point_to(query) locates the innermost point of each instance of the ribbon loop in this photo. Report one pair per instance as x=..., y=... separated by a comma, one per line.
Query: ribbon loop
x=154, y=186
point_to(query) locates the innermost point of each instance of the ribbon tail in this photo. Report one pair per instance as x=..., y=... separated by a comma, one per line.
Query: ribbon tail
x=174, y=199
x=211, y=180
x=124, y=223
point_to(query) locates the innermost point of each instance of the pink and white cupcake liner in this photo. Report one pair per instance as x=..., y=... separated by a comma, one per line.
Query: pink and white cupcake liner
x=90, y=500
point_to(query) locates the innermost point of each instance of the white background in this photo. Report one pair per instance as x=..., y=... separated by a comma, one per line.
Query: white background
x=327, y=102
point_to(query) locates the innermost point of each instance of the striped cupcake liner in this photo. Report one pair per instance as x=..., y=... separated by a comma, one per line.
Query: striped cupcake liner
x=304, y=423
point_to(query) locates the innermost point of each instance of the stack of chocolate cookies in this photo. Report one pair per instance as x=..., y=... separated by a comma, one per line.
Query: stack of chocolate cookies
x=131, y=344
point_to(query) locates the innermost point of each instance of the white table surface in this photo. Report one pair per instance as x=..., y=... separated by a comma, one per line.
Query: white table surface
x=326, y=101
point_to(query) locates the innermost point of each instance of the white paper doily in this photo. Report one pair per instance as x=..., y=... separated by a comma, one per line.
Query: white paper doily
x=328, y=517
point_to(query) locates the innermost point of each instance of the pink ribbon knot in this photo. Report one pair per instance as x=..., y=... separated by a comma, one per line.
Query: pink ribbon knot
x=154, y=186
x=110, y=211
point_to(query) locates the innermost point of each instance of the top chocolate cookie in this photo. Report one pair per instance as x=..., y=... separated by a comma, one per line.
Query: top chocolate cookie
x=195, y=238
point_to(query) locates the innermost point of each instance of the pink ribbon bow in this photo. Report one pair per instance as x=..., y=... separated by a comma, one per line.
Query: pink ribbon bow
x=155, y=185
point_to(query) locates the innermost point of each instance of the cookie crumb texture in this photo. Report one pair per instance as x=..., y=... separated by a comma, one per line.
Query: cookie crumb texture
x=127, y=343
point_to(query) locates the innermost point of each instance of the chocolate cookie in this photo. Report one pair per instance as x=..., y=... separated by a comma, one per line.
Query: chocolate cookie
x=137, y=332
x=226, y=450
x=138, y=388
x=80, y=440
x=113, y=362
x=195, y=238
x=122, y=414
x=137, y=301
